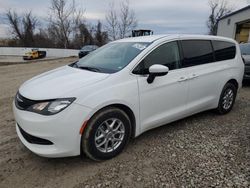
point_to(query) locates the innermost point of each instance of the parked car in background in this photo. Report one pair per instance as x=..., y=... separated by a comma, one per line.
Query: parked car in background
x=86, y=50
x=123, y=89
x=245, y=51
x=34, y=54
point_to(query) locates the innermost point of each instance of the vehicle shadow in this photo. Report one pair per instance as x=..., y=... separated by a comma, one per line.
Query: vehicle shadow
x=191, y=124
x=158, y=132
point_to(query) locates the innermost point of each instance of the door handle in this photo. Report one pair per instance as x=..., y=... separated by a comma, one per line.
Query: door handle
x=194, y=76
x=182, y=79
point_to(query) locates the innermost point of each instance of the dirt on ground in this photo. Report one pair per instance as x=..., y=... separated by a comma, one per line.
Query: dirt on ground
x=205, y=150
x=12, y=60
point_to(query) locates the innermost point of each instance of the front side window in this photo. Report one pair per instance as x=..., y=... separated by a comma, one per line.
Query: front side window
x=224, y=50
x=197, y=52
x=112, y=57
x=166, y=54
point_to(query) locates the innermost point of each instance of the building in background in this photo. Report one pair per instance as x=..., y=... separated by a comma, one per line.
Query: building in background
x=236, y=25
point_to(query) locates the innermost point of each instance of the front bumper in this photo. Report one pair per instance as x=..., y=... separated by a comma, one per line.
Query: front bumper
x=61, y=129
x=247, y=72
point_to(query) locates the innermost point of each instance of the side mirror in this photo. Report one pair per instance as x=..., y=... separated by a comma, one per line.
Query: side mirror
x=156, y=70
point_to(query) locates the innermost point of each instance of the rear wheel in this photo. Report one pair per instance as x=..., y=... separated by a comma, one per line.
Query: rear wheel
x=106, y=134
x=227, y=98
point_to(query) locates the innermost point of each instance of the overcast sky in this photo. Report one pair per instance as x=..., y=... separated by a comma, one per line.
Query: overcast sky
x=162, y=16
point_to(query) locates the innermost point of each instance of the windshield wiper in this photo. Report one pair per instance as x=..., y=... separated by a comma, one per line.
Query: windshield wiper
x=93, y=69
x=89, y=68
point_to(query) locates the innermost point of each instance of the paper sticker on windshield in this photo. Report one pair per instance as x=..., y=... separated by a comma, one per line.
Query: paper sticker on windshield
x=139, y=46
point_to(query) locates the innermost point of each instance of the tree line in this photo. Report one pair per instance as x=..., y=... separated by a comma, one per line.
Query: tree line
x=66, y=26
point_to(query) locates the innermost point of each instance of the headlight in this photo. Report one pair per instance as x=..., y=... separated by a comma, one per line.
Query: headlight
x=51, y=107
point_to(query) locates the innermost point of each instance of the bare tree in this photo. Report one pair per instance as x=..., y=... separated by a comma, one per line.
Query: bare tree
x=66, y=28
x=82, y=32
x=67, y=25
x=60, y=21
x=121, y=23
x=101, y=37
x=218, y=8
x=127, y=20
x=29, y=23
x=23, y=27
x=83, y=37
x=14, y=22
x=112, y=22
x=78, y=23
x=42, y=39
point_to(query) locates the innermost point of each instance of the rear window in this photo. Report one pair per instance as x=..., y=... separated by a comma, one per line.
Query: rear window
x=224, y=50
x=197, y=52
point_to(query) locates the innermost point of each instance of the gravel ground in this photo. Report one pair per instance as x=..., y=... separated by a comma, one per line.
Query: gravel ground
x=205, y=150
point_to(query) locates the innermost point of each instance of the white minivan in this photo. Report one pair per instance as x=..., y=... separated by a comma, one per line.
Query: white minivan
x=95, y=105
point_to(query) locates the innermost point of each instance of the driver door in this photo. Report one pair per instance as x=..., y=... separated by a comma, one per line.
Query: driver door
x=165, y=99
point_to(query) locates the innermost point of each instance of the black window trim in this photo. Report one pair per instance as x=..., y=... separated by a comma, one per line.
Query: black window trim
x=182, y=52
x=213, y=51
x=215, y=61
x=214, y=57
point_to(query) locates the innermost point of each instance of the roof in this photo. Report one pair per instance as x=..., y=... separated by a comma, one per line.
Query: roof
x=149, y=38
x=153, y=38
x=235, y=12
x=142, y=30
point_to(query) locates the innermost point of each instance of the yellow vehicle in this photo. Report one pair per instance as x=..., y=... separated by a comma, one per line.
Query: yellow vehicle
x=34, y=54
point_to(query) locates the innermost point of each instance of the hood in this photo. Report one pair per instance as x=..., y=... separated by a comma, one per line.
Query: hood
x=55, y=83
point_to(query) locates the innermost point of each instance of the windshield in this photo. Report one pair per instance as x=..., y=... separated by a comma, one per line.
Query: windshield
x=112, y=57
x=245, y=49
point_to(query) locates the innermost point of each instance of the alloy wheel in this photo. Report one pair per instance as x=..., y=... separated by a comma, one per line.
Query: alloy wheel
x=109, y=135
x=228, y=99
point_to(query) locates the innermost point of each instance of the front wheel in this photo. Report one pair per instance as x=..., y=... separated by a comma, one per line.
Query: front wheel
x=227, y=99
x=106, y=134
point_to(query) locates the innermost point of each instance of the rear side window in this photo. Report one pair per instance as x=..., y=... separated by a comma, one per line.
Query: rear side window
x=224, y=50
x=196, y=52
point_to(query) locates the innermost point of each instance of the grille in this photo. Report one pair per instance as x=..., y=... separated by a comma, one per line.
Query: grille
x=23, y=103
x=33, y=139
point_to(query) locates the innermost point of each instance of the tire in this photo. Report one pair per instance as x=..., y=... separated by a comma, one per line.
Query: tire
x=101, y=140
x=227, y=99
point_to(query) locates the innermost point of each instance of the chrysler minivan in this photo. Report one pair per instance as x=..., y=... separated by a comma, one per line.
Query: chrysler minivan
x=95, y=105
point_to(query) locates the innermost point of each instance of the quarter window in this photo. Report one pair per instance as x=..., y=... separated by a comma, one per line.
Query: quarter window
x=224, y=50
x=167, y=54
x=197, y=52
